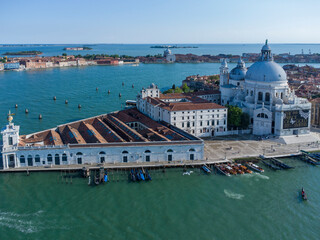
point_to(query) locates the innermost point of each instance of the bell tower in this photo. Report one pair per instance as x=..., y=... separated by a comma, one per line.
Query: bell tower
x=224, y=73
x=10, y=137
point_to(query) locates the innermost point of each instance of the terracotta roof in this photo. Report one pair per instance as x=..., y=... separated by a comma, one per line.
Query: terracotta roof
x=104, y=129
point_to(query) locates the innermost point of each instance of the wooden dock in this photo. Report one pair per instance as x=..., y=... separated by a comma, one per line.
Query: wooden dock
x=117, y=166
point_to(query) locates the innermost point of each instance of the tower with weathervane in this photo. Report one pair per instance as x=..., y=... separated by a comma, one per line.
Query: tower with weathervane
x=10, y=137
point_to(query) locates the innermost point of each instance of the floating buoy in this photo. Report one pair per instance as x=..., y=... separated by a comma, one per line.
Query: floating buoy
x=16, y=106
x=26, y=111
x=40, y=116
x=108, y=91
x=132, y=86
x=122, y=83
x=54, y=98
x=79, y=106
x=119, y=94
x=66, y=101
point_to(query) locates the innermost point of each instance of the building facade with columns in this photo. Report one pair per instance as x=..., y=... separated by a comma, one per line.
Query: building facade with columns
x=263, y=92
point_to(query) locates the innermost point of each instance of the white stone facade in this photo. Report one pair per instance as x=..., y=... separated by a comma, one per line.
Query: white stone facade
x=205, y=120
x=263, y=92
x=38, y=153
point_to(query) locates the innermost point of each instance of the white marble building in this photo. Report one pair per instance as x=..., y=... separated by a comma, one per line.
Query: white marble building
x=120, y=137
x=169, y=56
x=196, y=113
x=263, y=92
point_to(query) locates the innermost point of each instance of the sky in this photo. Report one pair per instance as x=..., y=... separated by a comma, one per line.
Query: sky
x=159, y=21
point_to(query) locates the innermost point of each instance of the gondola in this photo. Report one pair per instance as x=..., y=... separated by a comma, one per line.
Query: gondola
x=148, y=175
x=141, y=175
x=105, y=176
x=205, y=169
x=132, y=176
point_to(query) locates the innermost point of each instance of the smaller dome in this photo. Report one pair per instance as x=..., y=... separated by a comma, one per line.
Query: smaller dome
x=152, y=85
x=239, y=72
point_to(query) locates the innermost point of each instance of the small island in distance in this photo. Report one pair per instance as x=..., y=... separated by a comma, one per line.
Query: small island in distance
x=169, y=46
x=33, y=52
x=77, y=48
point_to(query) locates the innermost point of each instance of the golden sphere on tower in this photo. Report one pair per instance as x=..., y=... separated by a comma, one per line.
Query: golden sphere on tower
x=10, y=118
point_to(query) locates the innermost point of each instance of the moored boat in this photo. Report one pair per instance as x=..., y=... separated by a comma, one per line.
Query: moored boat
x=141, y=175
x=303, y=195
x=221, y=169
x=106, y=176
x=205, y=169
x=255, y=167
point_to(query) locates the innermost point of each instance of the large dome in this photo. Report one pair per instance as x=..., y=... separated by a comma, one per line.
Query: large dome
x=266, y=71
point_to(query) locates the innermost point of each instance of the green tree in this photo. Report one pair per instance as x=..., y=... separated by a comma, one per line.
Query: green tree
x=178, y=90
x=185, y=88
x=245, y=120
x=173, y=86
x=234, y=116
x=168, y=91
x=64, y=54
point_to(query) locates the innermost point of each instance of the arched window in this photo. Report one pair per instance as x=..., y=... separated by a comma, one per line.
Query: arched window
x=64, y=158
x=79, y=157
x=191, y=153
x=30, y=160
x=267, y=97
x=260, y=96
x=49, y=158
x=124, y=156
x=37, y=158
x=147, y=153
x=57, y=159
x=22, y=159
x=169, y=155
x=102, y=157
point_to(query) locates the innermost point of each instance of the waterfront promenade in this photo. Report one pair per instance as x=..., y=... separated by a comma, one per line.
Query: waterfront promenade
x=217, y=150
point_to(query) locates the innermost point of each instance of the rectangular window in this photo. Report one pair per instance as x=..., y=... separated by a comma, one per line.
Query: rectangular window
x=200, y=123
x=208, y=123
x=10, y=141
x=182, y=124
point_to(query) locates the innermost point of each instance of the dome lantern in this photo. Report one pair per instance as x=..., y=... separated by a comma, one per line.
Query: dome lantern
x=266, y=52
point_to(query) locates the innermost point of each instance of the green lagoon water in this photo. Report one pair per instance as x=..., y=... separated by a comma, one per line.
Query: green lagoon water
x=172, y=206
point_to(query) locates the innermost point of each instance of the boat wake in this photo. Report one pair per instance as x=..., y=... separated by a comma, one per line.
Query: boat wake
x=27, y=222
x=20, y=222
x=187, y=173
x=233, y=195
x=257, y=176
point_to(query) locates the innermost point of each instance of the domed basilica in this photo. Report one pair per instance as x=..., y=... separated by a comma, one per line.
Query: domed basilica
x=263, y=92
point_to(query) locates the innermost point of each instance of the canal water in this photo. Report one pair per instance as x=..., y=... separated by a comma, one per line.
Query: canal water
x=174, y=205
